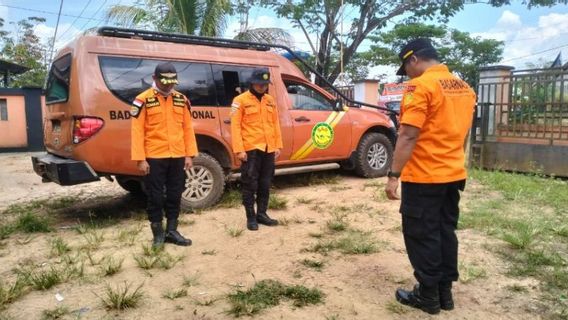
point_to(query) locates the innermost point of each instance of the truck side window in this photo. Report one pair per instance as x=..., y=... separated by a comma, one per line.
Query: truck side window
x=58, y=80
x=230, y=81
x=127, y=77
x=306, y=98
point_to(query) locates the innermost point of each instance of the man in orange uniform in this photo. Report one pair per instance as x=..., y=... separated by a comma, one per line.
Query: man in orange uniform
x=436, y=115
x=163, y=143
x=256, y=139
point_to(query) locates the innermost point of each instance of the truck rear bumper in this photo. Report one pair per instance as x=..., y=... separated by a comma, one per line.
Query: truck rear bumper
x=65, y=172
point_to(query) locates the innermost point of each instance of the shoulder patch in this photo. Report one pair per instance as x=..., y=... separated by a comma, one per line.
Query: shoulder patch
x=137, y=106
x=235, y=107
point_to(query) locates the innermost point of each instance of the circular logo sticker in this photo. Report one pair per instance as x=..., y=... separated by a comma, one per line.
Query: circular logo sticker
x=322, y=135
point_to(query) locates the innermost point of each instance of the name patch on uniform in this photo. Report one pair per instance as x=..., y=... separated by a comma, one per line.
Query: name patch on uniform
x=454, y=87
x=152, y=102
x=179, y=100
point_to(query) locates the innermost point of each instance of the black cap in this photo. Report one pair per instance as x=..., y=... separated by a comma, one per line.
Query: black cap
x=415, y=46
x=166, y=73
x=260, y=76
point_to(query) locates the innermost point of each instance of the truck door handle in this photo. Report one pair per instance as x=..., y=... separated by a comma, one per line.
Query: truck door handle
x=302, y=119
x=227, y=121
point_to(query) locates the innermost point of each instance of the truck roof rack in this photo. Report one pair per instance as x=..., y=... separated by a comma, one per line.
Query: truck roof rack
x=229, y=43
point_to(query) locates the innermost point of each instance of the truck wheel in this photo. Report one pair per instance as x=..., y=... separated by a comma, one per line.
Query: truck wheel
x=204, y=183
x=131, y=185
x=374, y=155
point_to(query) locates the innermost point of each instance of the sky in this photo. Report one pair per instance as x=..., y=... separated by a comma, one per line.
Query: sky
x=529, y=35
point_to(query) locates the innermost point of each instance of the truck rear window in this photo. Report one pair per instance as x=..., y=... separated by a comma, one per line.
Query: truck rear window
x=58, y=80
x=127, y=77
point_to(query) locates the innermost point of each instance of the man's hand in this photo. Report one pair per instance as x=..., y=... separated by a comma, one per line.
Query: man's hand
x=277, y=153
x=391, y=189
x=144, y=167
x=188, y=163
x=242, y=156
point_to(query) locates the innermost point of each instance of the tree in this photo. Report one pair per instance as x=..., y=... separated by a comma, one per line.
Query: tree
x=25, y=48
x=462, y=53
x=324, y=18
x=205, y=18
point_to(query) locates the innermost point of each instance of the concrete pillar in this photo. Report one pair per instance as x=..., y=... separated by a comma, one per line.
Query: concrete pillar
x=494, y=92
x=366, y=91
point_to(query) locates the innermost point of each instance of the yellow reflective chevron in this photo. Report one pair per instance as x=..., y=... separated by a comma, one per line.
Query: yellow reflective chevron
x=309, y=147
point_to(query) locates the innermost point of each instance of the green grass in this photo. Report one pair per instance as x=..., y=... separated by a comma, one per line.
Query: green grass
x=122, y=297
x=12, y=291
x=129, y=236
x=304, y=200
x=314, y=264
x=156, y=257
x=234, y=231
x=396, y=307
x=59, y=247
x=268, y=293
x=57, y=313
x=44, y=279
x=145, y=262
x=93, y=239
x=339, y=188
x=276, y=202
x=191, y=280
x=527, y=212
x=175, y=294
x=110, y=266
x=232, y=198
x=33, y=223
x=338, y=223
x=470, y=272
x=351, y=242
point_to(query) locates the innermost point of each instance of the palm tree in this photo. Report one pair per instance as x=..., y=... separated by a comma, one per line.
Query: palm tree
x=205, y=18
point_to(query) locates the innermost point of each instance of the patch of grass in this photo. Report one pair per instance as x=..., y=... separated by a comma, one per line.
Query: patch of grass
x=268, y=293
x=12, y=292
x=122, y=297
x=91, y=257
x=232, y=198
x=94, y=239
x=205, y=302
x=521, y=236
x=33, y=223
x=167, y=261
x=307, y=179
x=46, y=278
x=209, y=252
x=304, y=200
x=339, y=188
x=110, y=266
x=6, y=230
x=152, y=251
x=375, y=183
x=314, y=264
x=59, y=247
x=357, y=242
x=337, y=224
x=175, y=294
x=145, y=262
x=129, y=236
x=57, y=313
x=192, y=280
x=470, y=272
x=395, y=307
x=234, y=231
x=517, y=288
x=276, y=202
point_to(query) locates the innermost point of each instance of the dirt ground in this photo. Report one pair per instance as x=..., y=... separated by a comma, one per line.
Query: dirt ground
x=355, y=286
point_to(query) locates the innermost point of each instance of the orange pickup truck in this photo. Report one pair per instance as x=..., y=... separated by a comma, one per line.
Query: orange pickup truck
x=94, y=79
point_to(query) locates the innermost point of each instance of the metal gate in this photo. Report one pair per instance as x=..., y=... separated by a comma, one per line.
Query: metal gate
x=521, y=121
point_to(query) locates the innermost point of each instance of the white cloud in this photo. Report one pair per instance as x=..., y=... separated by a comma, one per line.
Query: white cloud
x=65, y=33
x=524, y=42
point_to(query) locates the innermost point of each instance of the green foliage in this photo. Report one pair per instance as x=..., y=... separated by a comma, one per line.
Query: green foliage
x=25, y=48
x=462, y=53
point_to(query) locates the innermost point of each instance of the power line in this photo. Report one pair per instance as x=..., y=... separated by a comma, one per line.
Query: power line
x=55, y=34
x=93, y=16
x=47, y=12
x=77, y=18
x=536, y=53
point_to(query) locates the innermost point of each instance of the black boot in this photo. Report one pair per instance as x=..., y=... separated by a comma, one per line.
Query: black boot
x=424, y=298
x=158, y=232
x=252, y=225
x=173, y=236
x=264, y=219
x=446, y=299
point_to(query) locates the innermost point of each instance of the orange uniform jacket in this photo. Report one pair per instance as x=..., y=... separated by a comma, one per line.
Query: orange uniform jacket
x=255, y=124
x=161, y=126
x=441, y=106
